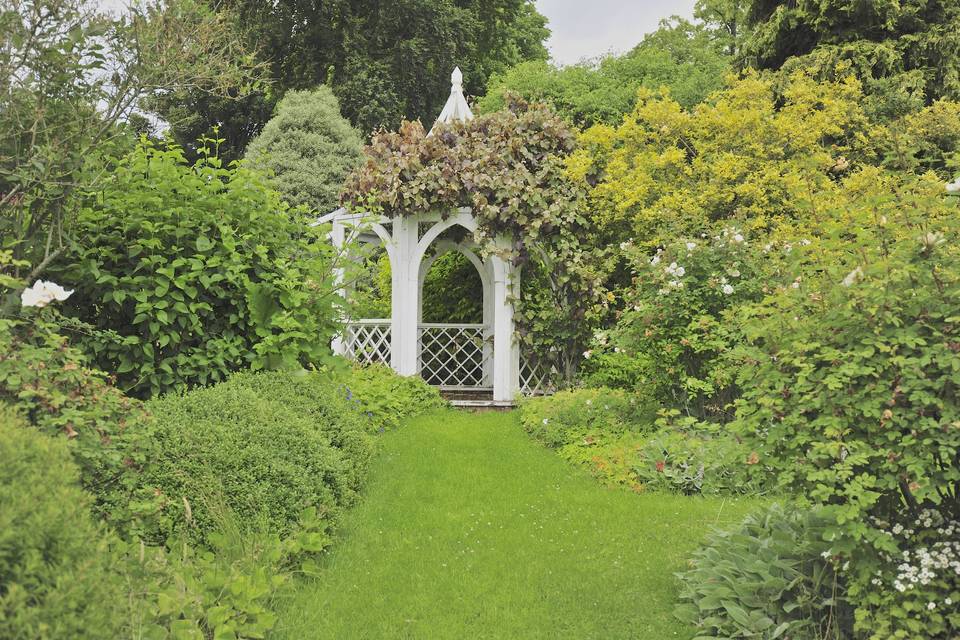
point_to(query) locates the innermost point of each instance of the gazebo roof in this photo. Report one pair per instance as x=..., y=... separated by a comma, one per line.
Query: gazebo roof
x=456, y=109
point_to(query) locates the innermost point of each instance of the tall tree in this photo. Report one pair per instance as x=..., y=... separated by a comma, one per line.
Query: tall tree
x=728, y=21
x=307, y=149
x=688, y=59
x=907, y=52
x=385, y=61
x=70, y=78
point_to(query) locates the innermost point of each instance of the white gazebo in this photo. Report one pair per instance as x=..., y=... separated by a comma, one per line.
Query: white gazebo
x=483, y=358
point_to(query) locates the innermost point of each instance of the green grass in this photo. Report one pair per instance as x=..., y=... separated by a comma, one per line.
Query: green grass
x=472, y=530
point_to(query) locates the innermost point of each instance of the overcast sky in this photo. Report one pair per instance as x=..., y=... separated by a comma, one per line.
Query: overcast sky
x=589, y=28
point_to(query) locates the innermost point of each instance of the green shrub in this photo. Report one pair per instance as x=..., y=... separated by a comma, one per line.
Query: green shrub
x=574, y=416
x=850, y=381
x=201, y=270
x=693, y=457
x=916, y=589
x=387, y=399
x=263, y=457
x=771, y=577
x=50, y=384
x=56, y=564
x=308, y=148
x=674, y=321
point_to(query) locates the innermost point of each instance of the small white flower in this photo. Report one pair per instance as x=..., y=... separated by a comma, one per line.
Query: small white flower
x=589, y=402
x=954, y=187
x=852, y=277
x=737, y=237
x=931, y=606
x=587, y=354
x=43, y=293
x=734, y=273
x=948, y=602
x=546, y=421
x=655, y=260
x=727, y=289
x=691, y=246
x=805, y=242
x=932, y=239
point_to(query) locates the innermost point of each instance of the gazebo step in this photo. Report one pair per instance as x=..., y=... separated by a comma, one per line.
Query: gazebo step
x=476, y=398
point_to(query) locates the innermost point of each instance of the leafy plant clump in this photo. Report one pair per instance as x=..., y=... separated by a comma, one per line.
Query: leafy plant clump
x=264, y=458
x=55, y=390
x=771, y=577
x=57, y=565
x=192, y=272
x=385, y=398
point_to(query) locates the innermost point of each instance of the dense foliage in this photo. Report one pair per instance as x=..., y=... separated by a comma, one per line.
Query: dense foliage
x=387, y=399
x=679, y=56
x=71, y=81
x=904, y=52
x=508, y=167
x=307, y=149
x=851, y=379
x=384, y=61
x=56, y=562
x=766, y=578
x=239, y=444
x=751, y=153
x=194, y=271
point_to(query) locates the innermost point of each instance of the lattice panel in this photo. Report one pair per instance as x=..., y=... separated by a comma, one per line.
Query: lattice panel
x=537, y=379
x=368, y=342
x=453, y=355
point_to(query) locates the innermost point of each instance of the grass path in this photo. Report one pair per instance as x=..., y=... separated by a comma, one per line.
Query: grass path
x=471, y=530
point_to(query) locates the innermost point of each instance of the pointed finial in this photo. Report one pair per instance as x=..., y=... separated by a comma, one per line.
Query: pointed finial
x=457, y=78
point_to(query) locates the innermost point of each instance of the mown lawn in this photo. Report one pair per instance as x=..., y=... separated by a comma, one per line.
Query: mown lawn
x=472, y=530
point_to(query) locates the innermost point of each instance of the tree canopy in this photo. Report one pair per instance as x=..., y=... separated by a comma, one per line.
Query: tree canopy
x=384, y=61
x=308, y=149
x=686, y=58
x=907, y=53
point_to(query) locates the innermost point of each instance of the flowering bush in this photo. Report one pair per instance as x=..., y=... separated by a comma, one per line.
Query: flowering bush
x=673, y=321
x=916, y=589
x=850, y=382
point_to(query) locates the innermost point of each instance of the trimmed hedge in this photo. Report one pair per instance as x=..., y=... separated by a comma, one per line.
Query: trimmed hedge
x=265, y=445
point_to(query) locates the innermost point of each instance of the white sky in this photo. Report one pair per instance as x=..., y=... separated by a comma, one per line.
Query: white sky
x=587, y=29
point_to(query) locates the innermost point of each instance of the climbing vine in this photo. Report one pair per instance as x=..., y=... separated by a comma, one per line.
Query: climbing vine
x=508, y=167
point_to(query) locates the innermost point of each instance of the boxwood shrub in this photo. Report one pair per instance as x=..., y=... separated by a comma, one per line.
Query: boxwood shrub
x=265, y=445
x=56, y=575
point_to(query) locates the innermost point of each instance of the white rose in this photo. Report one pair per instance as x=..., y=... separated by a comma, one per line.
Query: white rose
x=43, y=293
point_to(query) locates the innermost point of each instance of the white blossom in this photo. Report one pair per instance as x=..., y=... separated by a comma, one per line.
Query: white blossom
x=546, y=421
x=655, y=260
x=954, y=187
x=587, y=354
x=43, y=293
x=727, y=289
x=691, y=246
x=852, y=277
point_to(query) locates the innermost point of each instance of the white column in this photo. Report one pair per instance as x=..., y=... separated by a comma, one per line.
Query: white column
x=338, y=237
x=506, y=350
x=405, y=303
